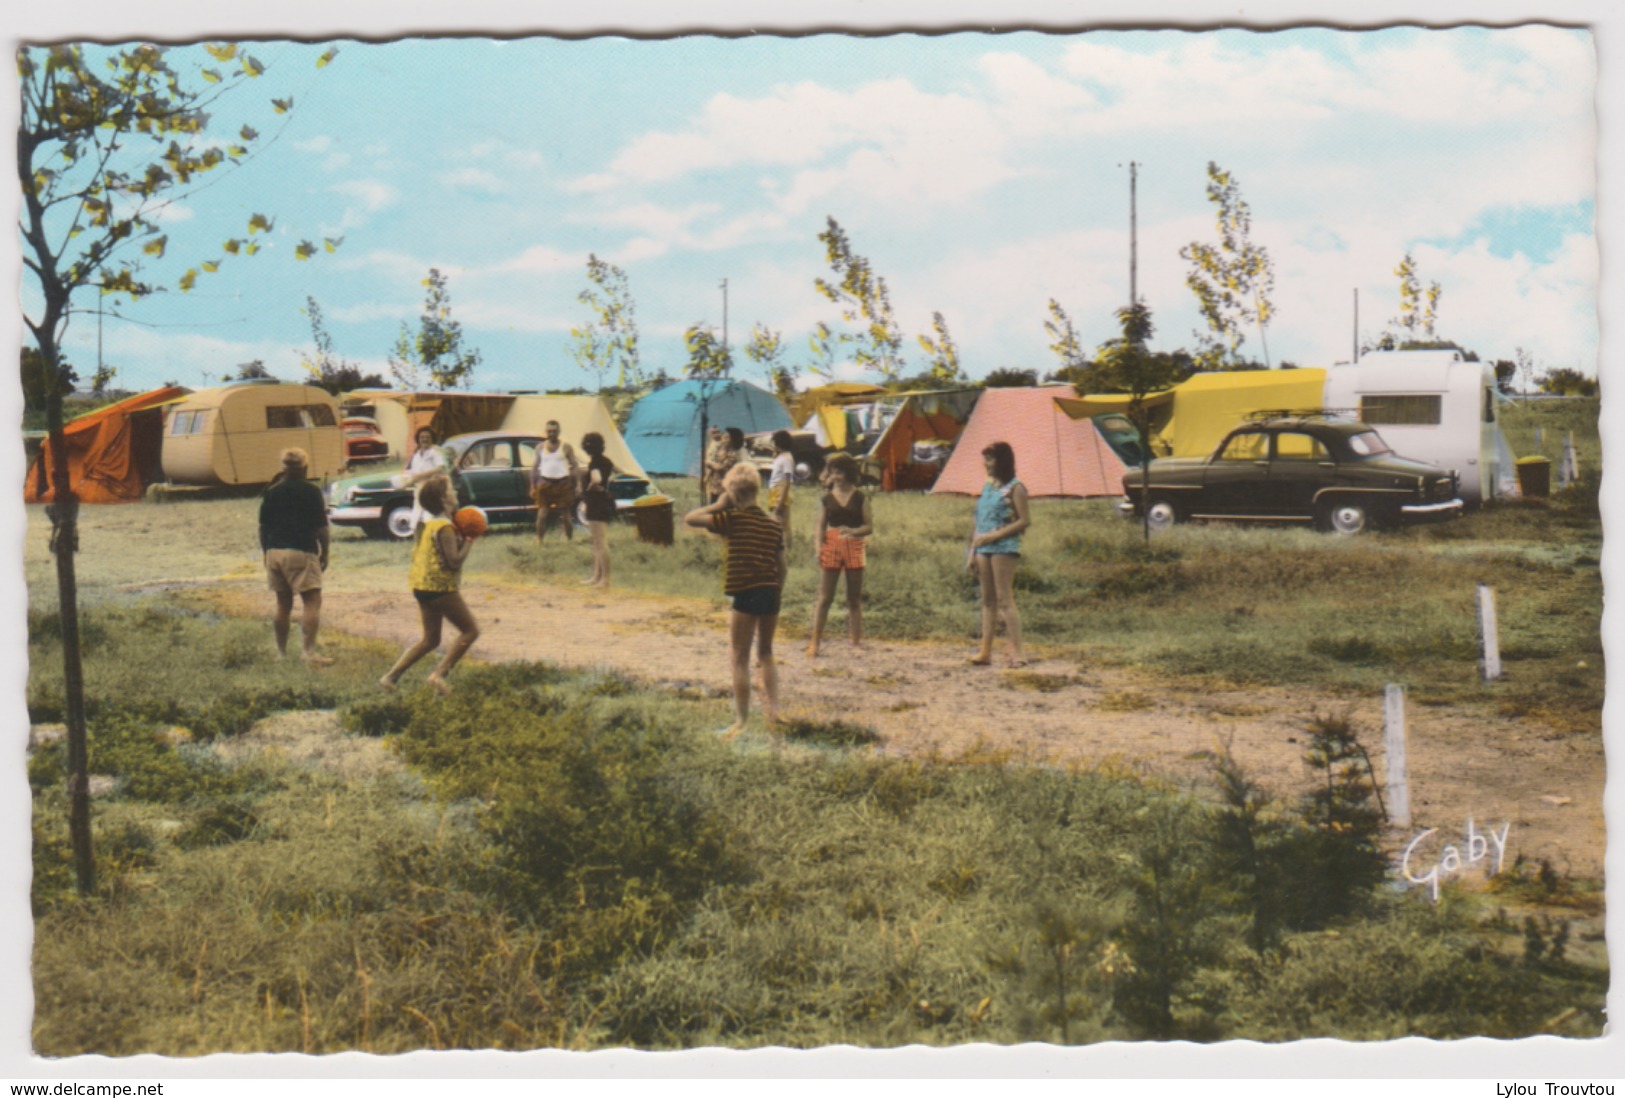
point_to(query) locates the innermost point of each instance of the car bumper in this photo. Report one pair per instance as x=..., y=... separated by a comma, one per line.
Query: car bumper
x=354, y=516
x=1432, y=512
x=1126, y=508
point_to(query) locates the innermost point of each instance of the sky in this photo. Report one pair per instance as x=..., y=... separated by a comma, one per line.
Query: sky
x=981, y=174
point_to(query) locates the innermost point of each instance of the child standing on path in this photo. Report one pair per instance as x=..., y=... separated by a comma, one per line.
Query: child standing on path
x=753, y=573
x=844, y=521
x=1001, y=516
x=437, y=569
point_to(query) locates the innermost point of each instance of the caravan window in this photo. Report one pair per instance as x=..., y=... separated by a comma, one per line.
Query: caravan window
x=279, y=417
x=1401, y=411
x=188, y=423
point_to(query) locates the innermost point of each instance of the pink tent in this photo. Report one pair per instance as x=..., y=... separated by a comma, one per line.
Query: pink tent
x=1056, y=455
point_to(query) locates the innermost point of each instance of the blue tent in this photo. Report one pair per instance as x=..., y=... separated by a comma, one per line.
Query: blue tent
x=663, y=431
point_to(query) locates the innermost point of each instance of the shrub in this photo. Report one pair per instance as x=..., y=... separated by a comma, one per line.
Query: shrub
x=593, y=832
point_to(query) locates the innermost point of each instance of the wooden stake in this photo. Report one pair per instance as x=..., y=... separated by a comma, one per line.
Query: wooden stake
x=1399, y=786
x=1490, y=634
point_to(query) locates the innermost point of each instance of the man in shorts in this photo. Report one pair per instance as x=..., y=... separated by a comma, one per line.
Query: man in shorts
x=294, y=538
x=553, y=482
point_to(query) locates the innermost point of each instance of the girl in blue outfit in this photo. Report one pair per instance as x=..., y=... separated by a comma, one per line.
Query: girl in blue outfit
x=1001, y=515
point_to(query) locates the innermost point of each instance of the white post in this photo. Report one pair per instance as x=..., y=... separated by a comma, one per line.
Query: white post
x=1540, y=440
x=1569, y=471
x=1488, y=631
x=1399, y=785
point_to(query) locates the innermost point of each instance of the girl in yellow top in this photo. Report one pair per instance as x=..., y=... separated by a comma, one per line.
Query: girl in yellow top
x=437, y=569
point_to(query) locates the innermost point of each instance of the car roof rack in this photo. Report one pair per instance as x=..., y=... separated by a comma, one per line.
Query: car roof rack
x=1303, y=413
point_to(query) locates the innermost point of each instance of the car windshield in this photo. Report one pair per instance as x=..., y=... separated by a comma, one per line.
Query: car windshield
x=1368, y=444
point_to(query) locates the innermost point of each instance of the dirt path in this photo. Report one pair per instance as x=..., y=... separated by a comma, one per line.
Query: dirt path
x=923, y=698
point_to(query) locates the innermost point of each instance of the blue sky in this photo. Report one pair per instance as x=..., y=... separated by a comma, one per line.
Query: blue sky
x=981, y=174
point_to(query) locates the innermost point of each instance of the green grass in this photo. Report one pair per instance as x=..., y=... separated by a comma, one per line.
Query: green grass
x=570, y=861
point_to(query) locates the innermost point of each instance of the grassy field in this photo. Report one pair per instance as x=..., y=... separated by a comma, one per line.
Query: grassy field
x=560, y=859
x=564, y=859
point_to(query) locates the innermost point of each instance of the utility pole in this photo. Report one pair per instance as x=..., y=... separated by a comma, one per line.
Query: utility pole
x=1133, y=233
x=1356, y=358
x=726, y=357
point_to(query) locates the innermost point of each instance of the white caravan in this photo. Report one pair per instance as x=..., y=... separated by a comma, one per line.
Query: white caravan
x=1433, y=406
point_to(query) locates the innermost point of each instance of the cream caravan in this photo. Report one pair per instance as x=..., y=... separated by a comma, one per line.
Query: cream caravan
x=1433, y=406
x=235, y=434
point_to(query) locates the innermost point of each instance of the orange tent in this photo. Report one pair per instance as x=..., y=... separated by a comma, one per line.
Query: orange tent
x=113, y=452
x=921, y=417
x=1056, y=455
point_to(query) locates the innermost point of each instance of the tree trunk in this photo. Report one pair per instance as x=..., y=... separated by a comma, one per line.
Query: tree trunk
x=64, y=512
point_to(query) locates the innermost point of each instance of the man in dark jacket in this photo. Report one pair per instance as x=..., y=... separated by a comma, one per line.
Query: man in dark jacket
x=293, y=536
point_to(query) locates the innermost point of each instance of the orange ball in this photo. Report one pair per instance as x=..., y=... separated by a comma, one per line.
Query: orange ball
x=470, y=521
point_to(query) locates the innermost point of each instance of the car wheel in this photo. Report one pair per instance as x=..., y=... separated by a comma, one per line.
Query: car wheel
x=1161, y=514
x=398, y=523
x=1345, y=518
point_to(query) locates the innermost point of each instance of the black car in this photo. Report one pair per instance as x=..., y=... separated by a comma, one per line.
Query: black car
x=1333, y=472
x=491, y=471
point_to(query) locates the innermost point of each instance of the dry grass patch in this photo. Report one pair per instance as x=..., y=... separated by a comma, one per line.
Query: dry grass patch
x=1125, y=701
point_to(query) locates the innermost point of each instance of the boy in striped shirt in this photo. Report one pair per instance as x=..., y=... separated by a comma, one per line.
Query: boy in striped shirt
x=752, y=574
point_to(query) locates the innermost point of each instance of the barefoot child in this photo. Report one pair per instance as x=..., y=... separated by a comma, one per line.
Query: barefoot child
x=753, y=573
x=437, y=569
x=1002, y=514
x=844, y=521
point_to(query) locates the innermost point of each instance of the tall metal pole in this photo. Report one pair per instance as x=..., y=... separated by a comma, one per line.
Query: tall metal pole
x=726, y=357
x=1356, y=359
x=1133, y=233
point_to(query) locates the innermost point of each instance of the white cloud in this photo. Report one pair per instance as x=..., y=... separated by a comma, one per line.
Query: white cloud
x=539, y=259
x=475, y=179
x=886, y=139
x=370, y=197
x=372, y=194
x=590, y=184
x=321, y=143
x=651, y=218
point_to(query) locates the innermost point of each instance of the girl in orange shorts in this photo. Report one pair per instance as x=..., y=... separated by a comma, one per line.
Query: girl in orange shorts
x=844, y=522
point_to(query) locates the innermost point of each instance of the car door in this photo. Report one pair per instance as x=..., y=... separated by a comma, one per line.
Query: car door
x=1235, y=476
x=490, y=479
x=1299, y=468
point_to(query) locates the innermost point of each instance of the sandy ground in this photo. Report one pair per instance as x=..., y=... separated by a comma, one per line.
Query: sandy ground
x=924, y=698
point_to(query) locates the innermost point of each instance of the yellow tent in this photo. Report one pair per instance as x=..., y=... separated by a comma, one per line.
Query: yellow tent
x=1191, y=419
x=839, y=392
x=577, y=414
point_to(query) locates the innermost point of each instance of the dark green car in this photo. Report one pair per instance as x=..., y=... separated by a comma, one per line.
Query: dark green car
x=491, y=470
x=1335, y=473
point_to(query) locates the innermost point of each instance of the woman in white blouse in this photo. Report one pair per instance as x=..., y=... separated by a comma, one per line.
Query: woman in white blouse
x=427, y=459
